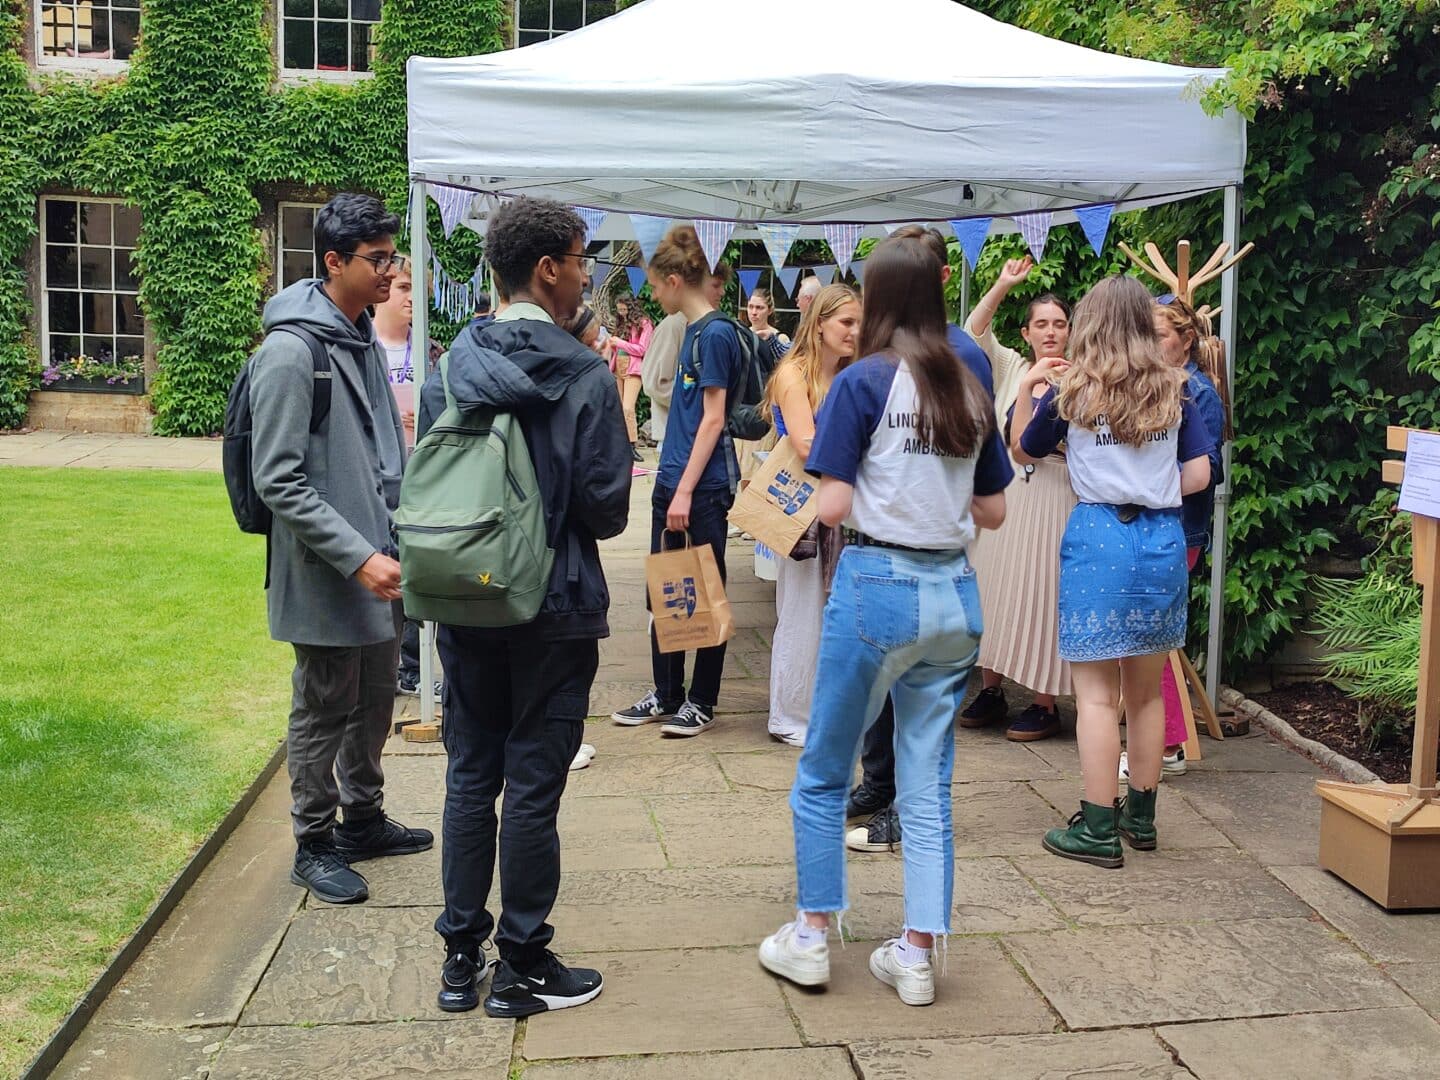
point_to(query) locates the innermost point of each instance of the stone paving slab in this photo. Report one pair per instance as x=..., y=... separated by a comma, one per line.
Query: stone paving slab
x=740, y=828
x=981, y=993
x=1160, y=886
x=1103, y=1055
x=414, y=785
x=1421, y=982
x=104, y=1052
x=1273, y=816
x=1000, y=819
x=472, y=1049
x=1179, y=824
x=733, y=733
x=765, y=770
x=1404, y=936
x=1206, y=971
x=1255, y=752
x=668, y=1002
x=650, y=774
x=985, y=756
x=352, y=966
x=991, y=897
x=821, y=1063
x=1337, y=1046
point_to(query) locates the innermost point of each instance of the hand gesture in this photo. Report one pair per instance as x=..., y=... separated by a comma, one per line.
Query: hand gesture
x=1043, y=373
x=1016, y=271
x=381, y=575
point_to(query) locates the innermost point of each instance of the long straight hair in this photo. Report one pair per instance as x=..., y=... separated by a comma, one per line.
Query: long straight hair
x=804, y=355
x=904, y=317
x=1116, y=371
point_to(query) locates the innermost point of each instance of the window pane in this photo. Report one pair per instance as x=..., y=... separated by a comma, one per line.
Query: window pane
x=65, y=312
x=127, y=315
x=60, y=221
x=126, y=347
x=299, y=44
x=532, y=37
x=125, y=271
x=99, y=349
x=127, y=226
x=63, y=347
x=300, y=7
x=360, y=46
x=534, y=15
x=365, y=10
x=332, y=9
x=297, y=228
x=331, y=51
x=97, y=310
x=61, y=268
x=124, y=32
x=568, y=14
x=296, y=266
x=95, y=268
x=94, y=223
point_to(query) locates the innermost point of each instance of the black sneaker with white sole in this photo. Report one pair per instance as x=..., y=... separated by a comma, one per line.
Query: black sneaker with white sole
x=460, y=981
x=647, y=709
x=880, y=833
x=548, y=984
x=689, y=720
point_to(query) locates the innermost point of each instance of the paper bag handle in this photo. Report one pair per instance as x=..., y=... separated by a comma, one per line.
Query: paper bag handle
x=666, y=532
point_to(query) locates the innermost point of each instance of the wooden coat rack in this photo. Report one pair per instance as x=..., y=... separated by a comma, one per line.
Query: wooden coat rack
x=1384, y=839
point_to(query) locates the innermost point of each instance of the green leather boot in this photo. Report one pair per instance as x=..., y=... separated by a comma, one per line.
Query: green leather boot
x=1090, y=837
x=1137, y=818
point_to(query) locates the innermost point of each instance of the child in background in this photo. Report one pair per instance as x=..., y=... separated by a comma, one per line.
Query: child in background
x=1122, y=413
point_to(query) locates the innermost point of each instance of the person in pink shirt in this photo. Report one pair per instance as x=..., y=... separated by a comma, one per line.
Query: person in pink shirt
x=633, y=330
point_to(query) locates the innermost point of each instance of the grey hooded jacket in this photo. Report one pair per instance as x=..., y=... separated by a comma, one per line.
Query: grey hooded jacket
x=332, y=493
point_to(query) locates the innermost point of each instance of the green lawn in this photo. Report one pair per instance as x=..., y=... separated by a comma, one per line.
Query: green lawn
x=139, y=695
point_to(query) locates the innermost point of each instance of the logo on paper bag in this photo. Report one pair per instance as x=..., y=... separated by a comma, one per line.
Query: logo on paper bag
x=790, y=493
x=679, y=597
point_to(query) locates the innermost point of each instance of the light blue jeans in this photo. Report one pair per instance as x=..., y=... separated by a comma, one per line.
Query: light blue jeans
x=907, y=624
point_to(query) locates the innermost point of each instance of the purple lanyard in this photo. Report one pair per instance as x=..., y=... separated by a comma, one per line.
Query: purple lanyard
x=407, y=369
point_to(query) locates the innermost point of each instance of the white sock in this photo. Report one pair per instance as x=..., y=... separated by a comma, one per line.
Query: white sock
x=909, y=955
x=807, y=936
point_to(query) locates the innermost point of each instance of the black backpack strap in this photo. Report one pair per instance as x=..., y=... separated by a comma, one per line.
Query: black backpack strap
x=324, y=376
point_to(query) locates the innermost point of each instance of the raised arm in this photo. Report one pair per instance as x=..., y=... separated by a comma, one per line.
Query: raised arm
x=1013, y=272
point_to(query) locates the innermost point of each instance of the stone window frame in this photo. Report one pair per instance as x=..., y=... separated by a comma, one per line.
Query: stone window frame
x=282, y=248
x=304, y=74
x=91, y=64
x=529, y=29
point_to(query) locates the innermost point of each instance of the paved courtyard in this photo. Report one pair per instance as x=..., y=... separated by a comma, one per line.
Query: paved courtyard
x=1226, y=954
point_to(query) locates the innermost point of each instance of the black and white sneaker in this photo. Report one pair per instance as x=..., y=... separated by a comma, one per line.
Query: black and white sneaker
x=880, y=833
x=547, y=985
x=460, y=981
x=688, y=721
x=645, y=710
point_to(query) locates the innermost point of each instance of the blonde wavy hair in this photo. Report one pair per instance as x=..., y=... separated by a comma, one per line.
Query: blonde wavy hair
x=804, y=354
x=1117, y=375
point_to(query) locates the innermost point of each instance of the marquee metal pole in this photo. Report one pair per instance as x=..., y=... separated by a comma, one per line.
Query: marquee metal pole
x=1229, y=288
x=420, y=346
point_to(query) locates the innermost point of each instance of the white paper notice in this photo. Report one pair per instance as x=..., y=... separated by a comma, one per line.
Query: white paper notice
x=1420, y=492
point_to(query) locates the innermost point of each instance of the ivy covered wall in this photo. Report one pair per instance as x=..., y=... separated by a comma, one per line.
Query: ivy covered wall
x=197, y=133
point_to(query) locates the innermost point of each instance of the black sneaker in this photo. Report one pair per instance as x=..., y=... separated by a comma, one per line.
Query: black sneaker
x=1034, y=724
x=864, y=803
x=320, y=868
x=689, y=720
x=989, y=707
x=635, y=454
x=648, y=708
x=460, y=981
x=546, y=985
x=406, y=684
x=880, y=833
x=380, y=835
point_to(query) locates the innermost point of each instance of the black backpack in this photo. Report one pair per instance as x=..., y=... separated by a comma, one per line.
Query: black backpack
x=746, y=419
x=251, y=513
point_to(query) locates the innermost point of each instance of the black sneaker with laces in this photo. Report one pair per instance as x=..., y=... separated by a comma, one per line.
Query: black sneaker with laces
x=374, y=837
x=407, y=684
x=648, y=708
x=689, y=720
x=989, y=707
x=545, y=985
x=321, y=868
x=864, y=803
x=880, y=833
x=460, y=981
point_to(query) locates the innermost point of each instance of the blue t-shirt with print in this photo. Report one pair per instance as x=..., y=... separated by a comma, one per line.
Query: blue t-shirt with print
x=719, y=354
x=972, y=356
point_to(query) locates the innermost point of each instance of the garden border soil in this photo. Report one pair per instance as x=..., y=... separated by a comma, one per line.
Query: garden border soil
x=1321, y=754
x=129, y=951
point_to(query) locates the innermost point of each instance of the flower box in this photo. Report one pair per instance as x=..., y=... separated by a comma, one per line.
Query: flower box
x=80, y=385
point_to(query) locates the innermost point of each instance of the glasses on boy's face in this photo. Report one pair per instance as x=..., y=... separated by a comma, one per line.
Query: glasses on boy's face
x=586, y=262
x=382, y=263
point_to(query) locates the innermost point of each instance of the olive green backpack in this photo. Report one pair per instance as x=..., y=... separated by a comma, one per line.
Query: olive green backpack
x=471, y=522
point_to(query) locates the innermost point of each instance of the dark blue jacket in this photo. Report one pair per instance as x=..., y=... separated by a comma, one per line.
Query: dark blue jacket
x=1199, y=508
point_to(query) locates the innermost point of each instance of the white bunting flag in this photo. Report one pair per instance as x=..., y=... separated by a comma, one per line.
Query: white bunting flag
x=842, y=240
x=649, y=231
x=1035, y=228
x=714, y=235
x=778, y=241
x=593, y=220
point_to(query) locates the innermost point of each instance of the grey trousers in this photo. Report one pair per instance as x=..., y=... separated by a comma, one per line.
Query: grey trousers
x=340, y=715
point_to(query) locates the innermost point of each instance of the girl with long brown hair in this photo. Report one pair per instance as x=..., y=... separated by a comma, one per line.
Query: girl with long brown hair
x=910, y=462
x=824, y=343
x=1122, y=413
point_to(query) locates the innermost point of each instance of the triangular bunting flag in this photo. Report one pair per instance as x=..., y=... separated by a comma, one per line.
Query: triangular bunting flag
x=714, y=235
x=649, y=231
x=636, y=275
x=454, y=203
x=437, y=278
x=778, y=241
x=858, y=269
x=1035, y=228
x=842, y=240
x=750, y=280
x=789, y=276
x=826, y=274
x=1095, y=220
x=593, y=220
x=971, y=232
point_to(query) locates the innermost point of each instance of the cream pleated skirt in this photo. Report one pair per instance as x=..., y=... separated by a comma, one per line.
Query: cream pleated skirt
x=1019, y=570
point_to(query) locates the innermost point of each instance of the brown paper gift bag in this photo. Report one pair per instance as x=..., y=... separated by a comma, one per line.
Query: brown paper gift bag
x=687, y=598
x=780, y=503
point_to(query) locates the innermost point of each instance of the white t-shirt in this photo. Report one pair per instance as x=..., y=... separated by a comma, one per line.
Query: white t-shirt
x=906, y=492
x=400, y=362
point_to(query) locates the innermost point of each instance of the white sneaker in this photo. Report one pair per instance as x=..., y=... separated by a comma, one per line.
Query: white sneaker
x=1170, y=764
x=782, y=954
x=914, y=984
x=789, y=738
x=583, y=757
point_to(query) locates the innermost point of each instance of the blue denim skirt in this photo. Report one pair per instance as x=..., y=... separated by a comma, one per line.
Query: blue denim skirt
x=1123, y=587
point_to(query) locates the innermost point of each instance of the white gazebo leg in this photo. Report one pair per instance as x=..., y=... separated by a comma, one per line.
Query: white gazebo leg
x=420, y=346
x=1228, y=298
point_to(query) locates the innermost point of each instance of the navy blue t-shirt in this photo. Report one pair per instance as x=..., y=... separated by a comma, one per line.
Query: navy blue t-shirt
x=719, y=366
x=972, y=356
